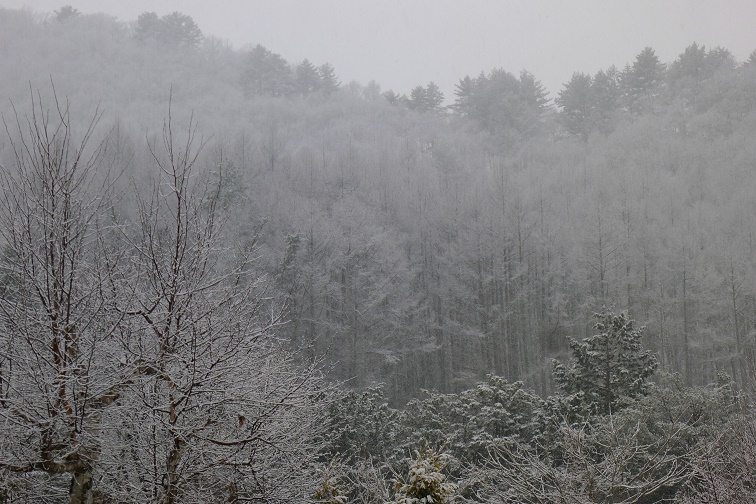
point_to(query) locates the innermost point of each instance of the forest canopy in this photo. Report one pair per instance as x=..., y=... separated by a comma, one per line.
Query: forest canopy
x=496, y=289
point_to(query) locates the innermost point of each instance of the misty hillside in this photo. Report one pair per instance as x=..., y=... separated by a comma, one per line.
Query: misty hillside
x=422, y=247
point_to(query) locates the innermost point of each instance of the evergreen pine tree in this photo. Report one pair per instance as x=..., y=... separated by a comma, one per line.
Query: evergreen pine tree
x=266, y=73
x=464, y=92
x=180, y=30
x=147, y=26
x=605, y=96
x=576, y=101
x=426, y=482
x=417, y=99
x=642, y=81
x=329, y=83
x=66, y=12
x=391, y=97
x=751, y=59
x=307, y=78
x=434, y=98
x=534, y=99
x=609, y=368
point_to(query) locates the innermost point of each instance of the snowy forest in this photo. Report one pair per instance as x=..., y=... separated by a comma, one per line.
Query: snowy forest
x=229, y=277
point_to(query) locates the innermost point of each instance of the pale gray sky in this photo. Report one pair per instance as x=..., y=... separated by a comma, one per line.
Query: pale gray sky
x=403, y=43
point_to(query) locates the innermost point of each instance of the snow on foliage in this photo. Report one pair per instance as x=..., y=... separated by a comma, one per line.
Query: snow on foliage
x=609, y=368
x=426, y=480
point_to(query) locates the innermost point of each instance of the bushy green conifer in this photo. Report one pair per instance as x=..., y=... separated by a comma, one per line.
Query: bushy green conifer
x=608, y=369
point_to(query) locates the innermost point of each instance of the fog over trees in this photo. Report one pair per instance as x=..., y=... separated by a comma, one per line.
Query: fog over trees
x=229, y=277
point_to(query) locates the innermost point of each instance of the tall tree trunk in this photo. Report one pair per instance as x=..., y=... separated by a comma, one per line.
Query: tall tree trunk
x=170, y=480
x=737, y=364
x=80, y=491
x=686, y=326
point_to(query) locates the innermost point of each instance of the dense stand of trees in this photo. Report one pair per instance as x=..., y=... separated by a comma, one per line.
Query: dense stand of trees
x=428, y=249
x=500, y=442
x=478, y=241
x=401, y=241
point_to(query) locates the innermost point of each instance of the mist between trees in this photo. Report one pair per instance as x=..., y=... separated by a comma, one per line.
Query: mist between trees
x=283, y=287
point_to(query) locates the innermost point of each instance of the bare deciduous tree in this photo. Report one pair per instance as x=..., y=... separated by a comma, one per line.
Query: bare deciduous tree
x=610, y=464
x=56, y=328
x=218, y=407
x=724, y=470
